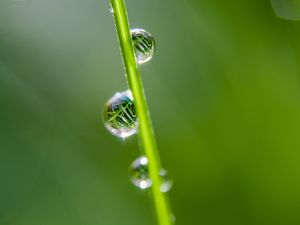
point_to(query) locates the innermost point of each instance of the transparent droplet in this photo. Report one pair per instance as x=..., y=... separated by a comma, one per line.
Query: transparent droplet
x=173, y=218
x=287, y=9
x=111, y=8
x=144, y=45
x=119, y=115
x=166, y=182
x=139, y=175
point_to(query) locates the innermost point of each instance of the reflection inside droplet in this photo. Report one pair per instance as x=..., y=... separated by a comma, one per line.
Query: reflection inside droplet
x=143, y=44
x=119, y=115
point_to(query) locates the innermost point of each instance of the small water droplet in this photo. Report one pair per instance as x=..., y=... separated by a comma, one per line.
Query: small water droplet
x=111, y=8
x=119, y=115
x=173, y=218
x=144, y=45
x=139, y=175
x=166, y=182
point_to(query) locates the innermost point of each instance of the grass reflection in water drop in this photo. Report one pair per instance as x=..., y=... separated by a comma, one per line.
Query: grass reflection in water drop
x=119, y=115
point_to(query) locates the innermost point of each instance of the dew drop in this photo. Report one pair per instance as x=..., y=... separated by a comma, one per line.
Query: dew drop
x=139, y=175
x=173, y=218
x=111, y=8
x=119, y=115
x=166, y=182
x=287, y=9
x=144, y=45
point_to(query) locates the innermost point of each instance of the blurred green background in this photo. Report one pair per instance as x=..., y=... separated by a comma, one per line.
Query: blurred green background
x=224, y=93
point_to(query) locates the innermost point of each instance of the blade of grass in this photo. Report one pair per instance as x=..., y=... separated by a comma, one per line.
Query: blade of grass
x=146, y=133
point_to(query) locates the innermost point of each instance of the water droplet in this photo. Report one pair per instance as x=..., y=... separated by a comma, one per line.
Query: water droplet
x=119, y=115
x=111, y=8
x=173, y=218
x=166, y=182
x=287, y=9
x=139, y=175
x=144, y=45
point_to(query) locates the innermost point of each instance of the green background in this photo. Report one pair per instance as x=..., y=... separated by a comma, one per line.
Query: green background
x=224, y=93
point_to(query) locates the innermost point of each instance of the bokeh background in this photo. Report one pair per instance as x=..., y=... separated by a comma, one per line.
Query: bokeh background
x=224, y=93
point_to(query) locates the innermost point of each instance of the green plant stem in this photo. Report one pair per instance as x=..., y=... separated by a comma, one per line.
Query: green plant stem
x=146, y=133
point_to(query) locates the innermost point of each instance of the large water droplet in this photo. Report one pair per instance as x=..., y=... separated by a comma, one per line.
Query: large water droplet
x=144, y=45
x=119, y=115
x=139, y=175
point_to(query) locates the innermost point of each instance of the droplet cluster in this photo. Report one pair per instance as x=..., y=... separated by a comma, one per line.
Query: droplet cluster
x=120, y=118
x=119, y=112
